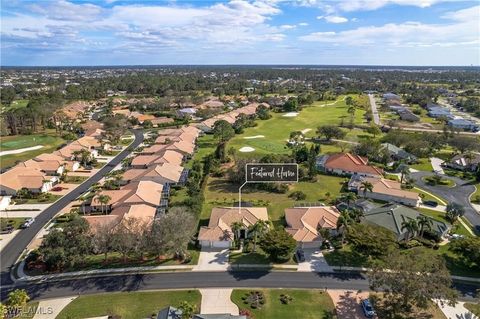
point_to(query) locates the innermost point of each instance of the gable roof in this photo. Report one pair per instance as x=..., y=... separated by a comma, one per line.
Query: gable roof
x=383, y=186
x=43, y=166
x=303, y=222
x=351, y=163
x=22, y=177
x=221, y=219
x=140, y=192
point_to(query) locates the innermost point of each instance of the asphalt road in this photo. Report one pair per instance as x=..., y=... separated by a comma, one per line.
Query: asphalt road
x=18, y=244
x=376, y=117
x=458, y=194
x=193, y=280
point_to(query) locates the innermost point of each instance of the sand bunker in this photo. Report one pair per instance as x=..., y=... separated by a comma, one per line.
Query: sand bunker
x=291, y=114
x=247, y=149
x=252, y=137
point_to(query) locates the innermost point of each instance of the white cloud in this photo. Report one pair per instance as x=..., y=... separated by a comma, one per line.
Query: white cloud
x=287, y=26
x=332, y=6
x=303, y=24
x=461, y=30
x=335, y=19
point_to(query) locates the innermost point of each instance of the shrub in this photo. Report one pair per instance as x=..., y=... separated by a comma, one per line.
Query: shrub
x=285, y=299
x=298, y=195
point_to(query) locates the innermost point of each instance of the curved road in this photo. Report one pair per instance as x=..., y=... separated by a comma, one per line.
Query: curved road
x=193, y=280
x=18, y=244
x=459, y=194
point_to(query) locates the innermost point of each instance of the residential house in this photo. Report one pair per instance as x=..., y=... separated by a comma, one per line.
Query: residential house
x=219, y=232
x=304, y=224
x=407, y=115
x=167, y=156
x=32, y=179
x=48, y=167
x=143, y=213
x=186, y=112
x=157, y=121
x=168, y=139
x=398, y=154
x=391, y=96
x=384, y=190
x=463, y=124
x=437, y=111
x=164, y=174
x=465, y=162
x=135, y=193
x=347, y=164
x=174, y=313
x=392, y=216
x=71, y=166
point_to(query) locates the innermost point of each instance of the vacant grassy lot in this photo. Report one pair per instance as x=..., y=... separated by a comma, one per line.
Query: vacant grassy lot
x=306, y=304
x=49, y=141
x=127, y=305
x=276, y=131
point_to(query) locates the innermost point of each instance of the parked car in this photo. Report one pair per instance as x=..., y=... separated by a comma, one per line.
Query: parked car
x=28, y=222
x=367, y=308
x=7, y=229
x=57, y=188
x=430, y=203
x=300, y=255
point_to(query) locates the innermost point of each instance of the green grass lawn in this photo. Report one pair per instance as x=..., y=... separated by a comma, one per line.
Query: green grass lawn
x=17, y=104
x=446, y=182
x=50, y=198
x=221, y=193
x=49, y=141
x=458, y=228
x=473, y=307
x=306, y=304
x=75, y=179
x=277, y=129
x=127, y=305
x=345, y=256
x=15, y=222
x=423, y=164
x=427, y=196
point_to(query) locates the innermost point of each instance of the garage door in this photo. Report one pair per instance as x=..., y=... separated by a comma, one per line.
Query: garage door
x=221, y=244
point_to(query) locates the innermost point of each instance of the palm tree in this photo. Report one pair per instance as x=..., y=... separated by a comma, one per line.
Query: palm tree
x=411, y=227
x=424, y=222
x=367, y=187
x=104, y=199
x=454, y=211
x=404, y=171
x=343, y=221
x=236, y=227
x=258, y=228
x=349, y=198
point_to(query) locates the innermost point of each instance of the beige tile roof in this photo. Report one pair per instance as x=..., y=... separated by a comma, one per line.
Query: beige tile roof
x=55, y=157
x=167, y=139
x=95, y=221
x=389, y=187
x=46, y=166
x=162, y=120
x=87, y=142
x=20, y=177
x=221, y=219
x=352, y=163
x=182, y=147
x=167, y=156
x=140, y=211
x=140, y=192
x=155, y=148
x=304, y=222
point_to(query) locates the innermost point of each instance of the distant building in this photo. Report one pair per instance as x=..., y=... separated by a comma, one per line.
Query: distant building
x=391, y=96
x=397, y=153
x=437, y=111
x=465, y=162
x=407, y=115
x=463, y=124
x=188, y=111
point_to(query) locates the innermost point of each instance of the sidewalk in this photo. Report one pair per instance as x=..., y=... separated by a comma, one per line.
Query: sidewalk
x=456, y=312
x=51, y=308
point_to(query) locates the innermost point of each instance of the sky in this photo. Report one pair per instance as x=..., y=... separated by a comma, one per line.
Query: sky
x=323, y=32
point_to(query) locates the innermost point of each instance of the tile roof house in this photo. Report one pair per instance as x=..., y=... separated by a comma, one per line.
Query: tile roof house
x=142, y=212
x=167, y=156
x=135, y=193
x=32, y=179
x=161, y=120
x=384, y=190
x=464, y=162
x=219, y=233
x=72, y=166
x=397, y=153
x=184, y=136
x=347, y=164
x=48, y=167
x=392, y=216
x=304, y=222
x=165, y=173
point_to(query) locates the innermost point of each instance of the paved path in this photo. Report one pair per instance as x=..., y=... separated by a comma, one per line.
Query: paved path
x=437, y=165
x=21, y=150
x=314, y=261
x=18, y=244
x=213, y=259
x=51, y=308
x=347, y=303
x=456, y=312
x=373, y=105
x=217, y=301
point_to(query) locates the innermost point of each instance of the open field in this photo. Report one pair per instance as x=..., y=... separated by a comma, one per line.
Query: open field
x=49, y=141
x=276, y=130
x=306, y=304
x=127, y=305
x=17, y=104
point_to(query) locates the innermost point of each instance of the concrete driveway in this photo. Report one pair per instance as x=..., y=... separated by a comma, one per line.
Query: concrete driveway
x=314, y=262
x=217, y=301
x=437, y=165
x=213, y=259
x=347, y=303
x=460, y=193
